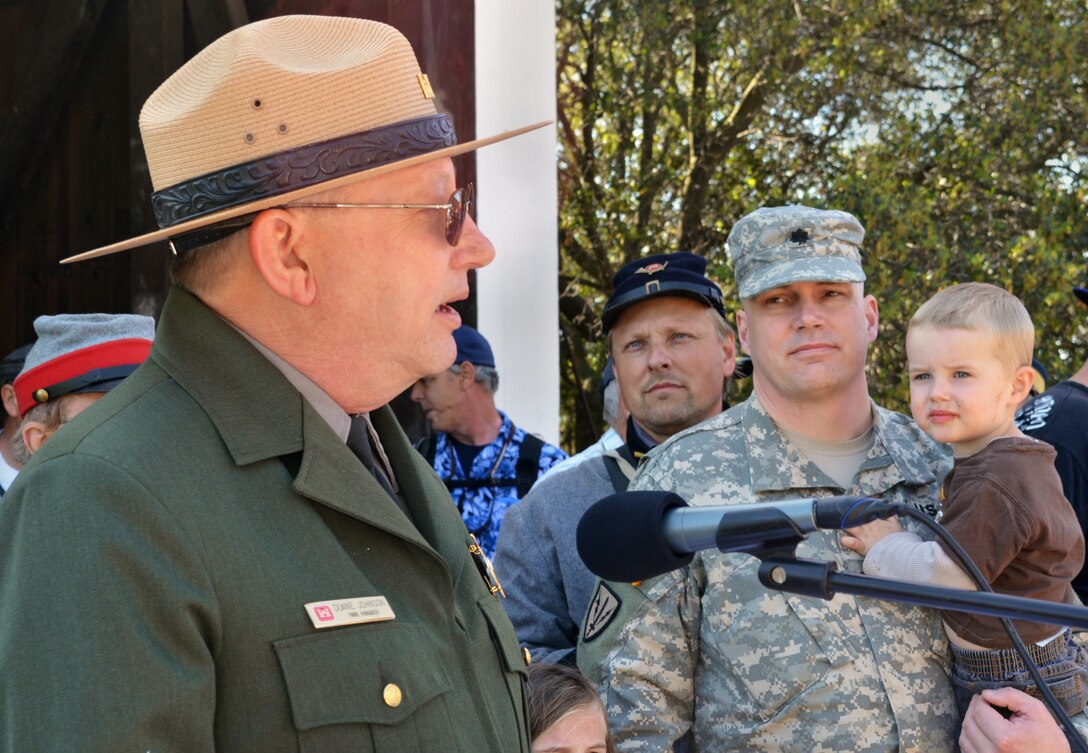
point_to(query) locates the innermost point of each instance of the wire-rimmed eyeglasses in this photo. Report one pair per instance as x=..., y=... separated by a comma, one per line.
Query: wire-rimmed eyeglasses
x=459, y=205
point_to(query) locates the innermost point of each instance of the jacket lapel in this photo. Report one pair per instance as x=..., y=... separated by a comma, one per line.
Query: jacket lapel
x=332, y=475
x=435, y=515
x=260, y=415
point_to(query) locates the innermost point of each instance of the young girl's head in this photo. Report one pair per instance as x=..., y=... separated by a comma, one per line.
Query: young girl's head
x=565, y=713
x=969, y=359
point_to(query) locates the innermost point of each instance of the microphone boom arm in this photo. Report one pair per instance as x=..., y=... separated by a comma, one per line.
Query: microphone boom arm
x=822, y=580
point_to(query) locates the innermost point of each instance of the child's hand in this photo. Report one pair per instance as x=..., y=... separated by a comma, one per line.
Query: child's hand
x=862, y=538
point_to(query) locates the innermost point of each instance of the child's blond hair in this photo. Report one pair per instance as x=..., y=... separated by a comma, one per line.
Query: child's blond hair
x=982, y=307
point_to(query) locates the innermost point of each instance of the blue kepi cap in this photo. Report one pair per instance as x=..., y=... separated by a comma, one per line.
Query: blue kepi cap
x=681, y=273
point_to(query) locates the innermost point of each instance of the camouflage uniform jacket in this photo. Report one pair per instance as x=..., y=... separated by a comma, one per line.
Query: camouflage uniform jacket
x=707, y=648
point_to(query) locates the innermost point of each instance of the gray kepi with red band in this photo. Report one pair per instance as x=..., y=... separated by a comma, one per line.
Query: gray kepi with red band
x=81, y=353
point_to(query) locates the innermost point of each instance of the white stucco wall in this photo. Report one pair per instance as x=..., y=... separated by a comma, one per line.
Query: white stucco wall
x=517, y=296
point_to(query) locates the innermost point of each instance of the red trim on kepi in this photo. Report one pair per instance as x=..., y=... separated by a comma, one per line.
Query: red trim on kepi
x=63, y=374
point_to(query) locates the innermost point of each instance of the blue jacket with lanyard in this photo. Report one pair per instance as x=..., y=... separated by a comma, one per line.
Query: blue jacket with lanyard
x=501, y=474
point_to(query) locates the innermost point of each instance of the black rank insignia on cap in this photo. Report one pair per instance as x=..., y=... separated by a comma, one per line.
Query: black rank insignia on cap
x=800, y=235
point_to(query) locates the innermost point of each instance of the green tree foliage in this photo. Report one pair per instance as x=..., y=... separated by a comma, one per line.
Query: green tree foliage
x=957, y=133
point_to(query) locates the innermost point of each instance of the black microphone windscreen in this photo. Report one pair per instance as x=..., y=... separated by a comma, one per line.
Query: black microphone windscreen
x=620, y=537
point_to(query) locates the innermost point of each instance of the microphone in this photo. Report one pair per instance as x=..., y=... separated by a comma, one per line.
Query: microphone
x=632, y=536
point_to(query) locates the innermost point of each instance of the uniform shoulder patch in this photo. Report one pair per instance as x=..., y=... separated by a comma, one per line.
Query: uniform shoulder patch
x=602, y=610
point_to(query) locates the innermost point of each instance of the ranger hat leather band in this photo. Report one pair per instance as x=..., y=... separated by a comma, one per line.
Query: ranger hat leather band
x=282, y=109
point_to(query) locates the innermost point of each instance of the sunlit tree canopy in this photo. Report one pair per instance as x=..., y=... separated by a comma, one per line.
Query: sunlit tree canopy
x=956, y=132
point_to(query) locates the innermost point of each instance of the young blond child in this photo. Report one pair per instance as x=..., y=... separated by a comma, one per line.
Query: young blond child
x=969, y=361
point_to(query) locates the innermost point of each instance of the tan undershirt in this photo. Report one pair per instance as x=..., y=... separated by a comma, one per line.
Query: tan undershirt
x=839, y=460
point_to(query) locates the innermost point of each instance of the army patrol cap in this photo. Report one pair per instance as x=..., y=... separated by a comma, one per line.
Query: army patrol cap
x=776, y=246
x=681, y=273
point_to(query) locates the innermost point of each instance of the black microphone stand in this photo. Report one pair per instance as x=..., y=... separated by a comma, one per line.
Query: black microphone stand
x=821, y=579
x=773, y=538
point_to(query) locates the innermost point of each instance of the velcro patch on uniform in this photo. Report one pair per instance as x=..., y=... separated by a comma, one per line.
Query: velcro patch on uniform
x=602, y=610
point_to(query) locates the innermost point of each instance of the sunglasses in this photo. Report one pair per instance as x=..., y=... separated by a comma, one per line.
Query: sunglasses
x=459, y=205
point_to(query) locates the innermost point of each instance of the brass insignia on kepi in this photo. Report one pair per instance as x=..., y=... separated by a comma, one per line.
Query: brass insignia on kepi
x=425, y=85
x=651, y=269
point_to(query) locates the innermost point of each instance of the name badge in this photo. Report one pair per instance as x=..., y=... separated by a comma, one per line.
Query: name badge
x=326, y=614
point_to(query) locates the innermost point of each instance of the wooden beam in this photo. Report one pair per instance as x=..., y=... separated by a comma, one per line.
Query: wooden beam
x=156, y=49
x=237, y=13
x=50, y=52
x=212, y=19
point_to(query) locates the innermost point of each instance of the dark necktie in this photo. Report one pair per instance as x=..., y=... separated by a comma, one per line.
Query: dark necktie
x=359, y=443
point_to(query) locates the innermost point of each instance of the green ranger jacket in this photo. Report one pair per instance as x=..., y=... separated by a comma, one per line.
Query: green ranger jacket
x=157, y=554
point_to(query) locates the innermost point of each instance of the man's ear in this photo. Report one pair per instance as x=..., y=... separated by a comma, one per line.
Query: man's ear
x=729, y=353
x=742, y=330
x=872, y=316
x=467, y=374
x=11, y=403
x=34, y=435
x=281, y=255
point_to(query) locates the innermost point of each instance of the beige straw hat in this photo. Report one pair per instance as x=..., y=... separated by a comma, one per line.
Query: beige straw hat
x=281, y=109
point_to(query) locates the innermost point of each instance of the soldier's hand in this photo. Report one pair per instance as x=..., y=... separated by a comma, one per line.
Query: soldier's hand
x=1028, y=729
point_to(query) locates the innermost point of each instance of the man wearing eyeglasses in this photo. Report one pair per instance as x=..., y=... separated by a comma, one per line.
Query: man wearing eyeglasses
x=238, y=549
x=485, y=460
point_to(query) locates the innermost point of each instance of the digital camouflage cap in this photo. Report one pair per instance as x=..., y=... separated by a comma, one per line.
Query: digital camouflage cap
x=775, y=246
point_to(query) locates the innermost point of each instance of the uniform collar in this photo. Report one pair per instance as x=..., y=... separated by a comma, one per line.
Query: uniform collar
x=335, y=416
x=259, y=415
x=639, y=442
x=256, y=410
x=776, y=465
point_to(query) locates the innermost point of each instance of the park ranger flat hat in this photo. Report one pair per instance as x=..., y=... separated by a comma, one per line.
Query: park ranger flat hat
x=776, y=246
x=281, y=109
